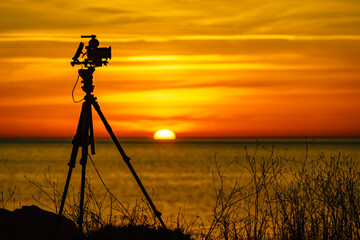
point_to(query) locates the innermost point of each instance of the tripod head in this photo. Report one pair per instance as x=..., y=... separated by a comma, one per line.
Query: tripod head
x=95, y=56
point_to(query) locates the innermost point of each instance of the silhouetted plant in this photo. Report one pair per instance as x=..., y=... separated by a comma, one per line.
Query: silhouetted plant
x=99, y=209
x=104, y=215
x=4, y=200
x=286, y=199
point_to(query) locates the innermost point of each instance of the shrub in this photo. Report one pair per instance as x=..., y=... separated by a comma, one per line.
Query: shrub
x=286, y=199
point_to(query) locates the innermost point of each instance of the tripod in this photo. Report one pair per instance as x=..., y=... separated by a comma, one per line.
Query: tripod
x=83, y=138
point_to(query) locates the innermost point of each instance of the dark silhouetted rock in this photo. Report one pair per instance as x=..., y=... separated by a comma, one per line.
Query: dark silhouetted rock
x=31, y=222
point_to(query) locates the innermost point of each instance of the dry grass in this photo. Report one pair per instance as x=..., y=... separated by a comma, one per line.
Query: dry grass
x=287, y=199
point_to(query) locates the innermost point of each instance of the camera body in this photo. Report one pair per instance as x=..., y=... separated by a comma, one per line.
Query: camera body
x=96, y=56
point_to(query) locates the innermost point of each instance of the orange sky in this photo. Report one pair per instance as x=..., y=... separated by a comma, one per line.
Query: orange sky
x=200, y=68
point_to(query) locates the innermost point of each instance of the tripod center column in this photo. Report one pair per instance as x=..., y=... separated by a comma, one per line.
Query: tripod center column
x=87, y=76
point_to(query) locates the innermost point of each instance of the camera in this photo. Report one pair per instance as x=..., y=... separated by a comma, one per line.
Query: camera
x=96, y=56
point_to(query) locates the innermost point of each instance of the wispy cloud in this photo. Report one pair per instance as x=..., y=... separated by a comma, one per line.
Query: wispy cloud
x=163, y=17
x=41, y=37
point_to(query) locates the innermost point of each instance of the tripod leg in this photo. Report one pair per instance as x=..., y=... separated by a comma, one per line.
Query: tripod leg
x=127, y=161
x=76, y=143
x=85, y=142
x=92, y=142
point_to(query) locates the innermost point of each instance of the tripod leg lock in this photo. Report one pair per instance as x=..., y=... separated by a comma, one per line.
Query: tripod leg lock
x=72, y=165
x=126, y=159
x=157, y=214
x=76, y=141
x=83, y=160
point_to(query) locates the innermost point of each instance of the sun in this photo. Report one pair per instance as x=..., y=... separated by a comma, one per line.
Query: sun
x=164, y=134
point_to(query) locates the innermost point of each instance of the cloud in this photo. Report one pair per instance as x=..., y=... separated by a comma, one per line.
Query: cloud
x=180, y=17
x=106, y=10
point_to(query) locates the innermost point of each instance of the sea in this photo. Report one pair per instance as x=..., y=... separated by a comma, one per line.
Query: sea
x=181, y=176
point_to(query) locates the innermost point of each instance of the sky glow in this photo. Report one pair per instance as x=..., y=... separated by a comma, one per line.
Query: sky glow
x=200, y=68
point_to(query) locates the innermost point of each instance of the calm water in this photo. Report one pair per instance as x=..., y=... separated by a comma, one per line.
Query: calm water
x=176, y=175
